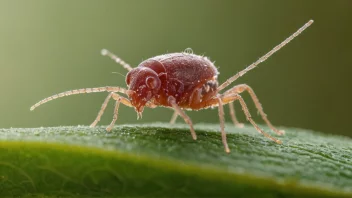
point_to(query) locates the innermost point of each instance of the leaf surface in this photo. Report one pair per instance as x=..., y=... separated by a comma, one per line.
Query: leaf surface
x=159, y=160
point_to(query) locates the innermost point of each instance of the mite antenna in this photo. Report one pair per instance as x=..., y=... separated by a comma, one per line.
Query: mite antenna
x=117, y=59
x=266, y=56
x=119, y=74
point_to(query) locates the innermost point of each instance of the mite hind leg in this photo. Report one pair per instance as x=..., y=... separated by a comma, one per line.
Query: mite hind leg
x=243, y=87
x=233, y=116
x=117, y=59
x=226, y=98
x=172, y=102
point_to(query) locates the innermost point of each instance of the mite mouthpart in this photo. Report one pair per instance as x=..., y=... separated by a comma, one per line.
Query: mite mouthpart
x=139, y=115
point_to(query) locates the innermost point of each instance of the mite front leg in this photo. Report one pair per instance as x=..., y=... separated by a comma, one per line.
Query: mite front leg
x=222, y=124
x=173, y=118
x=103, y=107
x=119, y=100
x=233, y=116
x=243, y=87
x=115, y=116
x=232, y=97
x=172, y=102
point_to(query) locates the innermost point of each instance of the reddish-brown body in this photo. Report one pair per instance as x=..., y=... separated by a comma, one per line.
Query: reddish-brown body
x=189, y=78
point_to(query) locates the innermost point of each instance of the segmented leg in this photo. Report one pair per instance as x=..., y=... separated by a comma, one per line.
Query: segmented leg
x=233, y=116
x=222, y=125
x=115, y=116
x=119, y=99
x=232, y=97
x=117, y=59
x=123, y=100
x=243, y=87
x=103, y=107
x=173, y=118
x=172, y=102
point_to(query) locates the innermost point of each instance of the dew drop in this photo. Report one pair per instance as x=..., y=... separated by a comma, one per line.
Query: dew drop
x=188, y=51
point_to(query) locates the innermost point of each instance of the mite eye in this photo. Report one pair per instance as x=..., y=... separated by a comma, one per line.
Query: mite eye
x=151, y=82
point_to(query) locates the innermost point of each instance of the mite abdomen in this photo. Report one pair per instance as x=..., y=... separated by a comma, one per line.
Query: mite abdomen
x=185, y=74
x=187, y=68
x=190, y=69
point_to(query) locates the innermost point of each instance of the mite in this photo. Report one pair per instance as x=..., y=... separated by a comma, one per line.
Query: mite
x=181, y=81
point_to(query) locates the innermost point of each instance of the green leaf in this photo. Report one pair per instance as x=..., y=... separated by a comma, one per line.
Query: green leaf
x=160, y=160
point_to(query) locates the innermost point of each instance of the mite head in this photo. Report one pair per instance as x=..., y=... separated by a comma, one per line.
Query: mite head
x=143, y=84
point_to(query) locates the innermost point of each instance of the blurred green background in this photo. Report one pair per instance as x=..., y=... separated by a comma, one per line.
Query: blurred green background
x=48, y=47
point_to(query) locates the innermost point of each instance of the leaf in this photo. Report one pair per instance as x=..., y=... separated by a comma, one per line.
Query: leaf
x=160, y=160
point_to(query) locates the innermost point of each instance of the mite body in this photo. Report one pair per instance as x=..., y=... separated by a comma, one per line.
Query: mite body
x=190, y=80
x=180, y=81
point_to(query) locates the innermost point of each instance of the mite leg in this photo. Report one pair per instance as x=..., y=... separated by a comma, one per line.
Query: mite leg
x=172, y=102
x=103, y=106
x=174, y=117
x=123, y=100
x=222, y=124
x=233, y=116
x=233, y=97
x=241, y=88
x=117, y=59
x=119, y=100
x=115, y=116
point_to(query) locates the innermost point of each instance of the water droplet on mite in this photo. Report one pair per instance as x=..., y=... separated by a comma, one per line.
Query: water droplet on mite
x=188, y=51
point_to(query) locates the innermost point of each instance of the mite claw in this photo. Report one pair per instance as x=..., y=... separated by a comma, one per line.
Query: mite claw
x=108, y=129
x=278, y=141
x=281, y=132
x=239, y=125
x=227, y=150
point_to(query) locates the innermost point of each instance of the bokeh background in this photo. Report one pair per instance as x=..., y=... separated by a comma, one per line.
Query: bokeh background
x=47, y=47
